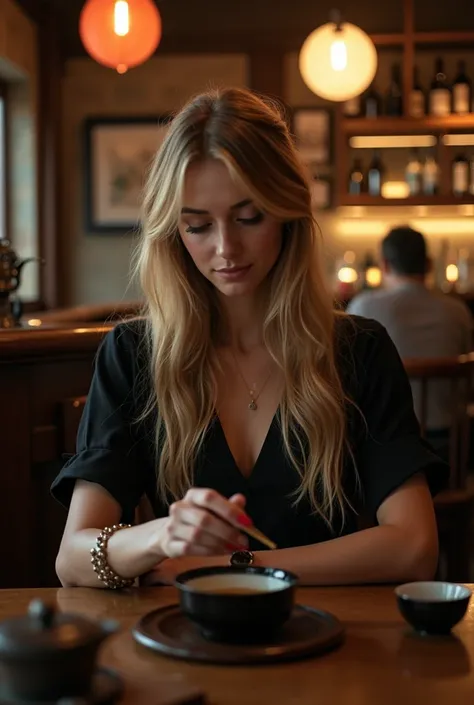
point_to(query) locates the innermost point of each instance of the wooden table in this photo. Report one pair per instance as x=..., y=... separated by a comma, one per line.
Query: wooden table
x=380, y=663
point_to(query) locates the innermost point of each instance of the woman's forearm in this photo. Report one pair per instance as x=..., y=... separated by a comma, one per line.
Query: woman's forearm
x=380, y=554
x=130, y=553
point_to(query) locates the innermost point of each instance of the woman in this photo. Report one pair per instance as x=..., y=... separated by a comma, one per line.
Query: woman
x=242, y=396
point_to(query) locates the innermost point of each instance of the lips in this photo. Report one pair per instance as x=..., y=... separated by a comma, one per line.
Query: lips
x=232, y=270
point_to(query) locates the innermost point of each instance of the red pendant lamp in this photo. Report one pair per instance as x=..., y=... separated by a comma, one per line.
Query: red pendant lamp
x=120, y=34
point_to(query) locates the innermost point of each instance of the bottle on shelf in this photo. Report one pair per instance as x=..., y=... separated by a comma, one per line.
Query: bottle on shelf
x=440, y=93
x=462, y=90
x=356, y=184
x=460, y=175
x=417, y=100
x=394, y=96
x=352, y=108
x=414, y=173
x=372, y=103
x=430, y=175
x=375, y=174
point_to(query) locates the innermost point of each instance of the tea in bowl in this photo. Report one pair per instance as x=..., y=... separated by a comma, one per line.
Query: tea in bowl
x=433, y=607
x=239, y=604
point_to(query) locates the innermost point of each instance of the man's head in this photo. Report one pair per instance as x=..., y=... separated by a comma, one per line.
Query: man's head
x=404, y=253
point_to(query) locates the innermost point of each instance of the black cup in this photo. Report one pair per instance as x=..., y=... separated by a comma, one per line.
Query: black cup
x=433, y=607
x=236, y=604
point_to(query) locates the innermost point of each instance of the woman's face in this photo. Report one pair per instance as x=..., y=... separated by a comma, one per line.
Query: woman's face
x=232, y=243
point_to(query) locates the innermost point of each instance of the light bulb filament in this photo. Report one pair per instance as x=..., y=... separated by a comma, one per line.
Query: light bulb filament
x=121, y=18
x=338, y=55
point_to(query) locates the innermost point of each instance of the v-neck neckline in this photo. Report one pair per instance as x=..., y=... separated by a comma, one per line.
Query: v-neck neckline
x=247, y=478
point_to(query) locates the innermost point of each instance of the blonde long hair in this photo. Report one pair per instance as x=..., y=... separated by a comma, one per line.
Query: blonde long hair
x=251, y=137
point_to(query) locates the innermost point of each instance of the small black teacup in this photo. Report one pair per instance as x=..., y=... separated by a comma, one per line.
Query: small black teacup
x=433, y=607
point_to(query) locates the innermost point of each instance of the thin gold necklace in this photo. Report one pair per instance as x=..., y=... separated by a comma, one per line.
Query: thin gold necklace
x=254, y=395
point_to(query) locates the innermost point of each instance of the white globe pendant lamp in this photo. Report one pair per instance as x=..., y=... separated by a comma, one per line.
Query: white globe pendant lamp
x=338, y=61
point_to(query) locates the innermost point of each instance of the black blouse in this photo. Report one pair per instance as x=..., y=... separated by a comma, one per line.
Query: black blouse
x=118, y=453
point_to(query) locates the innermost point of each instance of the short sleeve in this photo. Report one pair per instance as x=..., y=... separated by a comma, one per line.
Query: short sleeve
x=390, y=449
x=106, y=442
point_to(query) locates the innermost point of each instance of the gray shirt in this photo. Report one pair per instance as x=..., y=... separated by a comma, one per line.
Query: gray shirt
x=421, y=323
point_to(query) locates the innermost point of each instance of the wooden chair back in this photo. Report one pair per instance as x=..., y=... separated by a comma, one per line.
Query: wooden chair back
x=457, y=372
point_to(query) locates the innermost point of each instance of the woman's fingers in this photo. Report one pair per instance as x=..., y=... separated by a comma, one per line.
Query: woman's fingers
x=196, y=525
x=239, y=500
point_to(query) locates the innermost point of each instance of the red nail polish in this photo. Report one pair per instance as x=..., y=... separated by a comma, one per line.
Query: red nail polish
x=244, y=520
x=235, y=547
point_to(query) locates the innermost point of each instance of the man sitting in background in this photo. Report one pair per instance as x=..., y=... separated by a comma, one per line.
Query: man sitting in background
x=421, y=322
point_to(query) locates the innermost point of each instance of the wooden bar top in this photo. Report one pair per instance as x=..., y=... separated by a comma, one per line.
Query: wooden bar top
x=382, y=662
x=26, y=342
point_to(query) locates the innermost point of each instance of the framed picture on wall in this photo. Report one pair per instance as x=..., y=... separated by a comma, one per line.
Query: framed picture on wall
x=312, y=130
x=118, y=153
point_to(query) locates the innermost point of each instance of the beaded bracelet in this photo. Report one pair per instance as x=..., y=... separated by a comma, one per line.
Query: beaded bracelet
x=99, y=559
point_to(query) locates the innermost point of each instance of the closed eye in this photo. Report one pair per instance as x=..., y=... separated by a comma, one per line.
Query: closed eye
x=198, y=229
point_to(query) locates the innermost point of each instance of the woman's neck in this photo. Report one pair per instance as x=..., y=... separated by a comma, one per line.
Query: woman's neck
x=243, y=324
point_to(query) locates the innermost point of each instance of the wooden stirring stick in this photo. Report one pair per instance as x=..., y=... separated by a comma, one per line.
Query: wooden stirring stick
x=258, y=536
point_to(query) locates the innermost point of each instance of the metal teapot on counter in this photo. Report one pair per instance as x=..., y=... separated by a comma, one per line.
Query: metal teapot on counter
x=49, y=657
x=10, y=279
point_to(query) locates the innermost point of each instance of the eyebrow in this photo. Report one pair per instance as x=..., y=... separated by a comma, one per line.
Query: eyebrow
x=197, y=211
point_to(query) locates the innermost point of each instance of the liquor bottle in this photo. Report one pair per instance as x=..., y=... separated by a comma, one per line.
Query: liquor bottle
x=352, y=108
x=356, y=184
x=462, y=89
x=440, y=94
x=413, y=173
x=394, y=96
x=460, y=175
x=372, y=103
x=417, y=100
x=430, y=176
x=375, y=175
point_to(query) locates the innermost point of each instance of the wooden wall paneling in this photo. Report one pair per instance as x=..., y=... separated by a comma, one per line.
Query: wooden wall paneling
x=17, y=503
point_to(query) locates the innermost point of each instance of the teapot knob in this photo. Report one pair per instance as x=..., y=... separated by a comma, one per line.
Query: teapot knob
x=42, y=613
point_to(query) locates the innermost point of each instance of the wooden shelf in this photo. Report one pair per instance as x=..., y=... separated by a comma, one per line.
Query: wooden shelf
x=392, y=125
x=388, y=40
x=366, y=200
x=437, y=38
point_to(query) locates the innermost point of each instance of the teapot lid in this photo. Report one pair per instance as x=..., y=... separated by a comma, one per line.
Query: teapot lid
x=43, y=629
x=5, y=245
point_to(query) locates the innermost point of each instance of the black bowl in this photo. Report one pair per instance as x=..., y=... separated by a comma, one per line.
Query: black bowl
x=236, y=604
x=433, y=607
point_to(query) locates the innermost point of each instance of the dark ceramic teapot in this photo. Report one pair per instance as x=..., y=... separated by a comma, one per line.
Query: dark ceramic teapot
x=47, y=656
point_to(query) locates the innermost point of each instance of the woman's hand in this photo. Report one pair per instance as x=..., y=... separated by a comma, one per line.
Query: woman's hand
x=205, y=523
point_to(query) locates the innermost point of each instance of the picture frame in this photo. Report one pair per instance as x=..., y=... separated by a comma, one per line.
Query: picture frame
x=117, y=154
x=312, y=129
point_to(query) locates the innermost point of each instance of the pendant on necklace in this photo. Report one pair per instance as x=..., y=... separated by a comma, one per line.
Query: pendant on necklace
x=253, y=406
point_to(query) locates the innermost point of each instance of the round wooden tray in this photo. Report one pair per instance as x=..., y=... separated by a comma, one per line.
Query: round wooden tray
x=307, y=632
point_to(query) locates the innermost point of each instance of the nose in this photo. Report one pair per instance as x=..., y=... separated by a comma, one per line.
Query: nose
x=228, y=242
